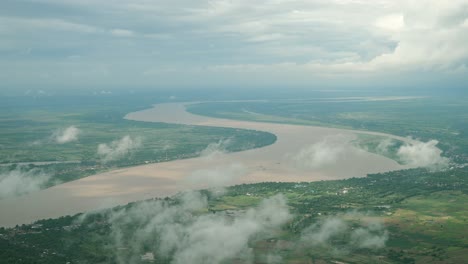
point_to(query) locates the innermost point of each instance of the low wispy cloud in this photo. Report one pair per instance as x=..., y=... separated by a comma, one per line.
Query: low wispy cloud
x=217, y=177
x=122, y=33
x=324, y=231
x=180, y=230
x=324, y=153
x=422, y=154
x=118, y=149
x=274, y=259
x=69, y=134
x=213, y=150
x=333, y=231
x=373, y=236
x=384, y=146
x=19, y=182
x=177, y=233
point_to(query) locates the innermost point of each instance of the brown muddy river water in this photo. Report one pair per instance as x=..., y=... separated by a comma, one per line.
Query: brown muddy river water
x=301, y=153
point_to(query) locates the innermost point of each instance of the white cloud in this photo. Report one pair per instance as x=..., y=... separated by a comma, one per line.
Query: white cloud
x=18, y=182
x=181, y=232
x=422, y=154
x=118, y=149
x=323, y=153
x=219, y=176
x=52, y=24
x=214, y=150
x=261, y=42
x=371, y=234
x=431, y=37
x=422, y=43
x=266, y=37
x=393, y=22
x=274, y=259
x=384, y=146
x=211, y=239
x=323, y=232
x=66, y=135
x=122, y=32
x=193, y=238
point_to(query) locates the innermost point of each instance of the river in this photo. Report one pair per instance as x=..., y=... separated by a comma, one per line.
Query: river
x=276, y=162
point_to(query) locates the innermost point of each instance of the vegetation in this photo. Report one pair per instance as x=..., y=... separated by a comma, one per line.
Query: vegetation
x=423, y=212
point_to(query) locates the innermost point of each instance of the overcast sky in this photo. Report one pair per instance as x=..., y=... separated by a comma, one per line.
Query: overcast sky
x=201, y=43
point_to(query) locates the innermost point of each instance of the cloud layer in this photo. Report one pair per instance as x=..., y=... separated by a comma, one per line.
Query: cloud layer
x=266, y=42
